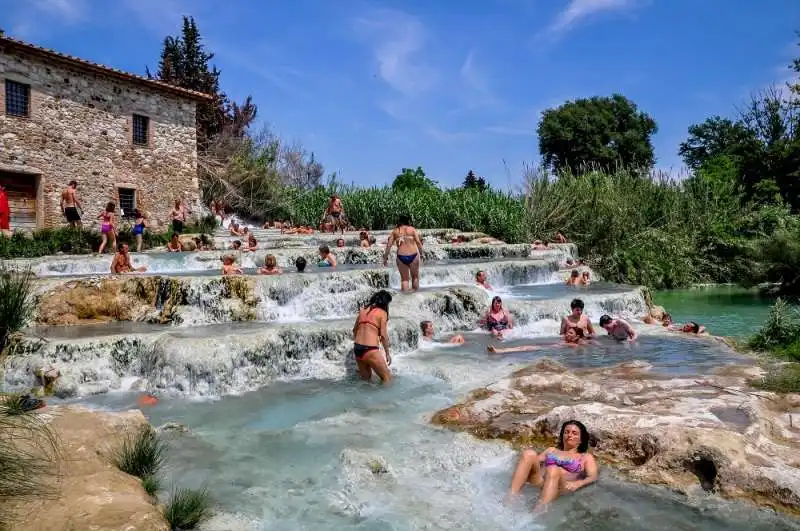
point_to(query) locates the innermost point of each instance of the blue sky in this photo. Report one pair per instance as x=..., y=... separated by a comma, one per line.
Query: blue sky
x=373, y=86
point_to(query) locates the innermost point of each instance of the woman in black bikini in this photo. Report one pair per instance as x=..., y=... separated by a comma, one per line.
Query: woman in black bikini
x=371, y=329
x=497, y=320
x=409, y=252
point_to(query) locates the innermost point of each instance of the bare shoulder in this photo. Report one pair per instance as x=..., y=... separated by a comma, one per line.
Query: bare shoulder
x=589, y=458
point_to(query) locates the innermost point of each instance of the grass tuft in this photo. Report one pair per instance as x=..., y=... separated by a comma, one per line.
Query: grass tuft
x=783, y=378
x=17, y=302
x=188, y=508
x=151, y=484
x=141, y=454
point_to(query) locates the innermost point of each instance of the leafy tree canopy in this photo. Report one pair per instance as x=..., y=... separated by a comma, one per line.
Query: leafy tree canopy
x=409, y=179
x=472, y=182
x=599, y=132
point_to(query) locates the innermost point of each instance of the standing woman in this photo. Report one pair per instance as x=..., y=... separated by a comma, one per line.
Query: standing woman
x=370, y=330
x=409, y=252
x=139, y=224
x=178, y=218
x=107, y=229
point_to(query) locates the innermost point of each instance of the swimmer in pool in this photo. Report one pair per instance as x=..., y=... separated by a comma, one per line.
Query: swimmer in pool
x=427, y=333
x=369, y=331
x=618, y=329
x=571, y=339
x=558, y=470
x=688, y=328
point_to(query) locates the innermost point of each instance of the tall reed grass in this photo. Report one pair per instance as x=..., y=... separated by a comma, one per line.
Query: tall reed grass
x=17, y=302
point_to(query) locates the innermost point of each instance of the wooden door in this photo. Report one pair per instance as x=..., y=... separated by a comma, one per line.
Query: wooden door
x=21, y=193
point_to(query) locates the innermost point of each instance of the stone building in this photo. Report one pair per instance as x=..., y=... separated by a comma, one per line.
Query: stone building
x=122, y=137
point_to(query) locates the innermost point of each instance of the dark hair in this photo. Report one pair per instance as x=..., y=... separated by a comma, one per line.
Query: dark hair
x=695, y=327
x=324, y=249
x=403, y=219
x=496, y=298
x=363, y=235
x=604, y=320
x=300, y=264
x=236, y=244
x=380, y=299
x=479, y=273
x=424, y=324
x=574, y=273
x=583, y=446
x=110, y=206
x=576, y=303
x=73, y=183
x=121, y=246
x=339, y=240
x=137, y=213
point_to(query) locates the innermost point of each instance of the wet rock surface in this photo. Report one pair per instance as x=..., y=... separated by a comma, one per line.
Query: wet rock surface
x=709, y=432
x=91, y=493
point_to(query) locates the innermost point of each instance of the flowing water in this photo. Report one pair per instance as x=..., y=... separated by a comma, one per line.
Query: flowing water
x=286, y=437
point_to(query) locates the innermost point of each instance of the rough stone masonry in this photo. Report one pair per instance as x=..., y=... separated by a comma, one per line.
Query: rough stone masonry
x=79, y=126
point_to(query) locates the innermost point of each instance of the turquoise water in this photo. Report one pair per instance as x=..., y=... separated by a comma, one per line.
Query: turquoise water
x=723, y=310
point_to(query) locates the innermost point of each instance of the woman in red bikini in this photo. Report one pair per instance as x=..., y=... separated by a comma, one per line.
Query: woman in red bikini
x=370, y=330
x=564, y=468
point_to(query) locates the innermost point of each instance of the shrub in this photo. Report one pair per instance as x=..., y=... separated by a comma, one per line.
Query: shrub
x=141, y=454
x=187, y=508
x=781, y=379
x=151, y=484
x=780, y=333
x=17, y=302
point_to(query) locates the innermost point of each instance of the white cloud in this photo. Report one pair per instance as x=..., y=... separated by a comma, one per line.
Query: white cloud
x=446, y=137
x=477, y=92
x=397, y=41
x=578, y=10
x=68, y=11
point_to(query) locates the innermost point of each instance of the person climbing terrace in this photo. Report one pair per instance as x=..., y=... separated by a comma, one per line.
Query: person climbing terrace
x=618, y=329
x=480, y=279
x=427, y=333
x=558, y=470
x=497, y=319
x=363, y=238
x=574, y=278
x=326, y=257
x=270, y=266
x=571, y=339
x=174, y=244
x=300, y=264
x=577, y=320
x=122, y=262
x=369, y=331
x=333, y=217
x=70, y=204
x=409, y=252
x=5, y=212
x=139, y=224
x=229, y=267
x=178, y=217
x=108, y=231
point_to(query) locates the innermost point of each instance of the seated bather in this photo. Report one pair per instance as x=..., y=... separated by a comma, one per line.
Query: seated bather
x=174, y=244
x=122, y=262
x=427, y=333
x=574, y=278
x=252, y=243
x=326, y=257
x=585, y=279
x=236, y=245
x=558, y=470
x=618, y=329
x=364, y=239
x=270, y=266
x=480, y=279
x=571, y=339
x=300, y=264
x=235, y=230
x=577, y=320
x=497, y=320
x=229, y=266
x=340, y=243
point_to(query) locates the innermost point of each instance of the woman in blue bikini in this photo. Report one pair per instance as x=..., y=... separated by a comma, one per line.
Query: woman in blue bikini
x=409, y=252
x=564, y=468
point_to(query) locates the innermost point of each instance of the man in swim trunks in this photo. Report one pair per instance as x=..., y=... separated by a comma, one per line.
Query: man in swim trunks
x=70, y=204
x=122, y=262
x=618, y=329
x=427, y=333
x=577, y=320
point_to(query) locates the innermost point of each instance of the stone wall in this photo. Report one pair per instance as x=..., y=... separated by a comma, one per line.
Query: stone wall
x=80, y=128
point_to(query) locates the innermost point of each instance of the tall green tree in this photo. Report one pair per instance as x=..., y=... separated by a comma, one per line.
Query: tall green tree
x=713, y=138
x=473, y=182
x=600, y=132
x=185, y=63
x=409, y=179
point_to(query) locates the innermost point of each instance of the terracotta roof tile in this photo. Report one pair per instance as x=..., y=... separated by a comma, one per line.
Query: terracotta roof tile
x=11, y=43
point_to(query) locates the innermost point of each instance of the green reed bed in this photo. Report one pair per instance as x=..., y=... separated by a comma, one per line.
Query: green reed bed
x=779, y=338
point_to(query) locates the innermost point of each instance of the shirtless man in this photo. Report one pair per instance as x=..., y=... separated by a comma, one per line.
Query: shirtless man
x=334, y=214
x=577, y=320
x=70, y=204
x=427, y=333
x=618, y=329
x=122, y=262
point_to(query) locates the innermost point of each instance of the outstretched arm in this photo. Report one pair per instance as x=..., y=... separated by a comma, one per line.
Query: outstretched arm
x=389, y=244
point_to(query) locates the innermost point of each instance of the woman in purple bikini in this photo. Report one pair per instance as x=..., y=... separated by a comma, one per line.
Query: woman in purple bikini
x=564, y=468
x=409, y=252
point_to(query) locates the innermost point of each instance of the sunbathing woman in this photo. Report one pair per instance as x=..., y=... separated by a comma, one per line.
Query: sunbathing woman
x=409, y=252
x=571, y=339
x=497, y=320
x=370, y=330
x=564, y=468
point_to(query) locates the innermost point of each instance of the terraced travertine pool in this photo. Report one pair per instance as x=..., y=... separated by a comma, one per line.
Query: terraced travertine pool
x=287, y=438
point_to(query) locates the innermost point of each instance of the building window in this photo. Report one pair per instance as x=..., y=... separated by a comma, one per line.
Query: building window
x=141, y=125
x=127, y=202
x=18, y=98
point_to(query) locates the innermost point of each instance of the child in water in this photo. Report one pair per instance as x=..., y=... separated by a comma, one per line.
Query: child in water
x=229, y=266
x=326, y=257
x=270, y=266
